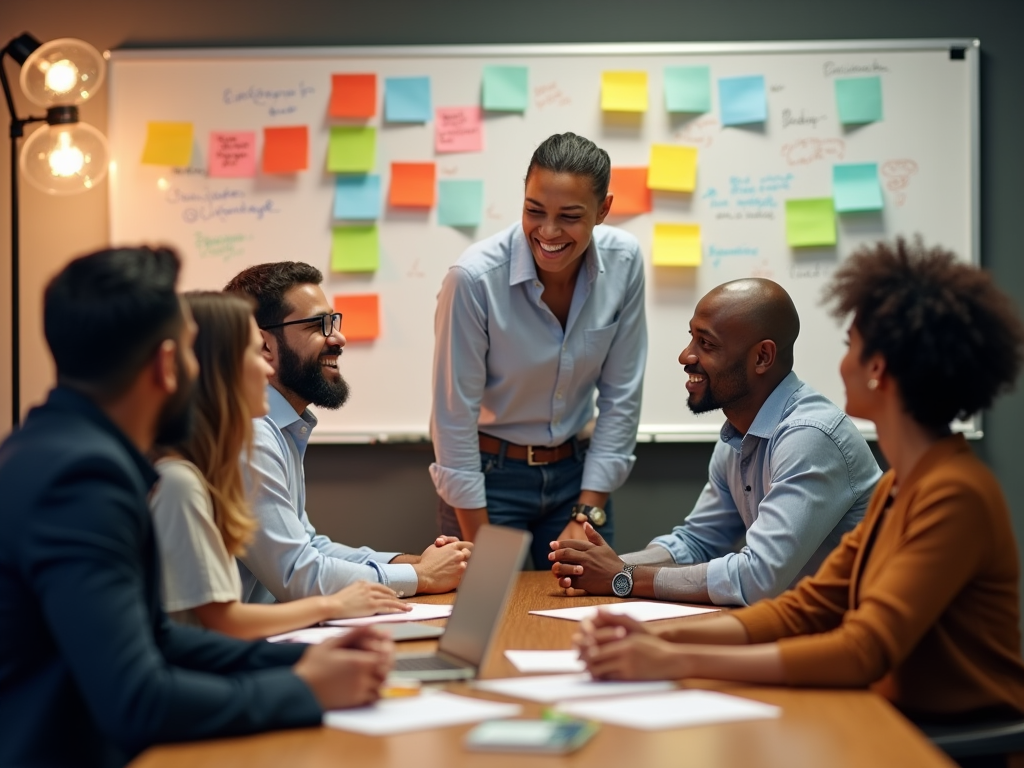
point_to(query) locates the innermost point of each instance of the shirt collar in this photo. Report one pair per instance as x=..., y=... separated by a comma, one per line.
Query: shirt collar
x=770, y=413
x=523, y=268
x=282, y=413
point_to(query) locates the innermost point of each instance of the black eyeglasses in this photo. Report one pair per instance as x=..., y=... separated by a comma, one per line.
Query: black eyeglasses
x=328, y=323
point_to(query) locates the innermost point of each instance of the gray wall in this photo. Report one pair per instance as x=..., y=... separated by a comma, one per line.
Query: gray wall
x=381, y=495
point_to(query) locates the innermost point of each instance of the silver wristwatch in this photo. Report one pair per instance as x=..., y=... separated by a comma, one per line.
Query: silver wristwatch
x=622, y=582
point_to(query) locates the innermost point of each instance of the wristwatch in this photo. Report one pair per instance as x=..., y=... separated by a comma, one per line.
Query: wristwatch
x=622, y=582
x=595, y=515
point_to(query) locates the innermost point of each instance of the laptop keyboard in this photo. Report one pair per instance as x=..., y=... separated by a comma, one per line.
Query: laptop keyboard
x=424, y=664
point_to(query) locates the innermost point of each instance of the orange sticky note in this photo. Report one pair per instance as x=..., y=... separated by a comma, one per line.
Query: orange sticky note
x=412, y=185
x=353, y=96
x=632, y=195
x=285, y=150
x=360, y=315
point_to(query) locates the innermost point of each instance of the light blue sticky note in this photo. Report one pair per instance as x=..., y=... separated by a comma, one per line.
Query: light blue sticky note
x=855, y=187
x=859, y=99
x=742, y=100
x=407, y=100
x=688, y=89
x=505, y=89
x=357, y=197
x=460, y=202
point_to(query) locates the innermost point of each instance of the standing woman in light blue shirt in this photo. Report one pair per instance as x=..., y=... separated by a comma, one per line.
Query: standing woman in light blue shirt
x=531, y=324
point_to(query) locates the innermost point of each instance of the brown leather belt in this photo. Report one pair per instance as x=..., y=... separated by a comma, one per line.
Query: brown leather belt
x=534, y=455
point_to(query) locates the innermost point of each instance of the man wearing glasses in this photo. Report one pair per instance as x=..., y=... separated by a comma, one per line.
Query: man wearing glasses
x=287, y=559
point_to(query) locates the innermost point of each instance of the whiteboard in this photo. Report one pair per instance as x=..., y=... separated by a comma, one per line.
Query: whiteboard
x=926, y=147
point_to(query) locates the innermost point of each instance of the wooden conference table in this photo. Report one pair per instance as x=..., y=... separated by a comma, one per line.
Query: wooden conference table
x=817, y=728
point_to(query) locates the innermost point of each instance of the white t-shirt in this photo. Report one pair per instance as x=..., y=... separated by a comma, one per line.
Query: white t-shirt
x=196, y=566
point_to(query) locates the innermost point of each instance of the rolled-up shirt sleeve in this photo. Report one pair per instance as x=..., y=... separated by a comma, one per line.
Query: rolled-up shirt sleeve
x=460, y=373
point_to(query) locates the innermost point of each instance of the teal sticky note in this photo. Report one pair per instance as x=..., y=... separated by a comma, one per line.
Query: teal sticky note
x=505, y=89
x=688, y=89
x=859, y=99
x=742, y=100
x=407, y=100
x=855, y=187
x=460, y=202
x=357, y=197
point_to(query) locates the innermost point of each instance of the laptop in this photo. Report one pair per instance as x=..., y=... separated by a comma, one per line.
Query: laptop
x=498, y=556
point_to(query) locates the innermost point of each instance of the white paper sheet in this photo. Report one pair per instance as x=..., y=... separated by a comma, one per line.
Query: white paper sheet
x=640, y=610
x=677, y=709
x=546, y=661
x=418, y=713
x=419, y=612
x=311, y=635
x=551, y=688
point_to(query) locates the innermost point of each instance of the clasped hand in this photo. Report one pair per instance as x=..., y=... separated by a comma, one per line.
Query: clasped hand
x=584, y=567
x=620, y=648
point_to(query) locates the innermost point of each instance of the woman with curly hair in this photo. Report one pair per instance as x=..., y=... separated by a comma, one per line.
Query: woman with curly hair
x=919, y=601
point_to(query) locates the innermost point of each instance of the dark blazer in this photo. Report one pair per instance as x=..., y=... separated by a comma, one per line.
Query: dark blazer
x=91, y=670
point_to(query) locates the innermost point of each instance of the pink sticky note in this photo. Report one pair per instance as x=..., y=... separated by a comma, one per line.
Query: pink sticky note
x=459, y=129
x=232, y=154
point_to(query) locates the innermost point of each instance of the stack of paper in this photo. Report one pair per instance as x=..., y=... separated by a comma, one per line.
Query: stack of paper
x=550, y=688
x=419, y=612
x=639, y=610
x=677, y=709
x=546, y=661
x=418, y=713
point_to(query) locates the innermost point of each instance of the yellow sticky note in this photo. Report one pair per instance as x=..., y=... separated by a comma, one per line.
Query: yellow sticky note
x=624, y=91
x=672, y=168
x=676, y=245
x=168, y=144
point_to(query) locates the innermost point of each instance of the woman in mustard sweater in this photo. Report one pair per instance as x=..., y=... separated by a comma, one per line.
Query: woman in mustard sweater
x=920, y=601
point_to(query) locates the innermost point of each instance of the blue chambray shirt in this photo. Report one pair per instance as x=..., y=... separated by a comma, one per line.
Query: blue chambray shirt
x=798, y=480
x=504, y=366
x=287, y=559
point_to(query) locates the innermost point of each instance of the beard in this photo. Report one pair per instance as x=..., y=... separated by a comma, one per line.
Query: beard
x=178, y=416
x=732, y=386
x=306, y=379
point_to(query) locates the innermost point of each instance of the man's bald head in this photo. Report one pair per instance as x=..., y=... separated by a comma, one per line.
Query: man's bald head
x=755, y=309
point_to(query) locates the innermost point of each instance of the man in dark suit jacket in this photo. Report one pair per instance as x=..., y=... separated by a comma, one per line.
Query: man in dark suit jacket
x=91, y=671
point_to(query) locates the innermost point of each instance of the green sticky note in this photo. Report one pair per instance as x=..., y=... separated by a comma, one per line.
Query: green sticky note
x=460, y=202
x=855, y=187
x=859, y=99
x=810, y=222
x=505, y=89
x=355, y=249
x=352, y=149
x=688, y=89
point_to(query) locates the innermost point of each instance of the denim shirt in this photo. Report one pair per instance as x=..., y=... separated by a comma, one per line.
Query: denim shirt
x=287, y=559
x=503, y=364
x=798, y=480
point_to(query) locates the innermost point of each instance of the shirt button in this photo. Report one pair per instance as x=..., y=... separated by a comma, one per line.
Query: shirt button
x=305, y=430
x=536, y=284
x=558, y=395
x=401, y=593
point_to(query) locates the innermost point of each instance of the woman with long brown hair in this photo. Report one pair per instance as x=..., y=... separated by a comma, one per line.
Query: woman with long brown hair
x=199, y=507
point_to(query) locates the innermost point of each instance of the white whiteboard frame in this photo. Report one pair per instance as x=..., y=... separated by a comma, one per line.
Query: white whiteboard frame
x=650, y=433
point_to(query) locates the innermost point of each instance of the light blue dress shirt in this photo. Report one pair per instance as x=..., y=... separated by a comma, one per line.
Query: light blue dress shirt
x=798, y=480
x=287, y=559
x=504, y=366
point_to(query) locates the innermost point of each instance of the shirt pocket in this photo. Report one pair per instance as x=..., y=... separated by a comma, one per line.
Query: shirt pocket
x=597, y=342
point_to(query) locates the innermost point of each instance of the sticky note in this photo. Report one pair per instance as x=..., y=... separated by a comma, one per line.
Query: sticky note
x=412, y=185
x=623, y=91
x=811, y=221
x=630, y=190
x=676, y=245
x=360, y=315
x=504, y=89
x=357, y=197
x=407, y=99
x=355, y=249
x=458, y=129
x=460, y=202
x=232, y=154
x=742, y=100
x=352, y=149
x=688, y=89
x=285, y=150
x=672, y=168
x=859, y=99
x=353, y=96
x=855, y=187
x=168, y=144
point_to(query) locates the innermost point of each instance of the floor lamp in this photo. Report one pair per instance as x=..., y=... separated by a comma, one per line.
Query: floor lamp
x=62, y=158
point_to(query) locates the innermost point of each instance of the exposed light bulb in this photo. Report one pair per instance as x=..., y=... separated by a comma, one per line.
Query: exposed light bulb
x=65, y=158
x=61, y=76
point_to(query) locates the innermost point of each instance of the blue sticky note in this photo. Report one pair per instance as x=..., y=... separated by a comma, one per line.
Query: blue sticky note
x=859, y=99
x=357, y=197
x=688, y=89
x=742, y=100
x=505, y=89
x=855, y=187
x=460, y=202
x=407, y=100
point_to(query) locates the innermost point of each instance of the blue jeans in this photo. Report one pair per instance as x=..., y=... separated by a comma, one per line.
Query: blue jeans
x=537, y=499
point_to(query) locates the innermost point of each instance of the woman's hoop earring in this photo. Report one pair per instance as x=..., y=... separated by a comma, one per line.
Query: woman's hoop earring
x=872, y=383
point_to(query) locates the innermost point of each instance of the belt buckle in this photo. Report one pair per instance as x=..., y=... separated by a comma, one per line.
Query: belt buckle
x=530, y=460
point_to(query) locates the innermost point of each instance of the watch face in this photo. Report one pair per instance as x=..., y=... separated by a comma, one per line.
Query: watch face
x=622, y=584
x=597, y=516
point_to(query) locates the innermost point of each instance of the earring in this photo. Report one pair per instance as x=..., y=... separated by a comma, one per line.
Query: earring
x=872, y=383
